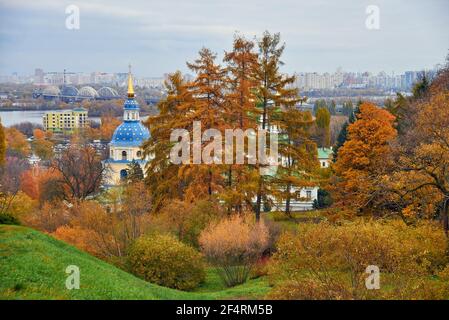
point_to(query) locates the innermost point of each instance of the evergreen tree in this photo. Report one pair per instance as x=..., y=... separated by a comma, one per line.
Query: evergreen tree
x=135, y=172
x=421, y=87
x=323, y=200
x=343, y=134
x=348, y=108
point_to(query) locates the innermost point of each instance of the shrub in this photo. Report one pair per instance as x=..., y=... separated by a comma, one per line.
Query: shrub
x=274, y=232
x=260, y=268
x=234, y=245
x=185, y=220
x=83, y=239
x=324, y=261
x=164, y=260
x=6, y=218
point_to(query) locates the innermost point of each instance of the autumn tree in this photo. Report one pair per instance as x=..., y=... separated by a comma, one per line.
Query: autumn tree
x=81, y=171
x=113, y=229
x=207, y=90
x=241, y=114
x=10, y=174
x=16, y=143
x=29, y=184
x=42, y=146
x=42, y=184
x=194, y=106
x=273, y=91
x=161, y=174
x=38, y=134
x=105, y=130
x=422, y=181
x=134, y=212
x=298, y=153
x=364, y=159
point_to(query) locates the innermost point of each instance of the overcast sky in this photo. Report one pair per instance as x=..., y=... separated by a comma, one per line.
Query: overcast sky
x=159, y=36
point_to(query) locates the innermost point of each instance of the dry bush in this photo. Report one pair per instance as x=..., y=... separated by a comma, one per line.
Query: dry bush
x=325, y=261
x=233, y=245
x=83, y=239
x=310, y=289
x=50, y=217
x=90, y=227
x=113, y=232
x=164, y=260
x=260, y=268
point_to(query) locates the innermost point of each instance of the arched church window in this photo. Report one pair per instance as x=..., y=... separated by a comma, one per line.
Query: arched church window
x=139, y=154
x=123, y=174
x=124, y=155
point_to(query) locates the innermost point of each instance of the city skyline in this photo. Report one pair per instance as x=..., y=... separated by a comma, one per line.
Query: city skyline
x=32, y=71
x=304, y=80
x=158, y=37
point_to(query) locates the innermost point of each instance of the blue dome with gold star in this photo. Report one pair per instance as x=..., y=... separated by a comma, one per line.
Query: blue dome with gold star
x=131, y=133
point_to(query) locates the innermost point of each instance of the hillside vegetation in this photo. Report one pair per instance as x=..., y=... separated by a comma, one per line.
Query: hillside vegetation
x=32, y=266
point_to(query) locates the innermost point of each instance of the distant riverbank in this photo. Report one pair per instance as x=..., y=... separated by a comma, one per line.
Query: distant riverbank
x=13, y=117
x=28, y=108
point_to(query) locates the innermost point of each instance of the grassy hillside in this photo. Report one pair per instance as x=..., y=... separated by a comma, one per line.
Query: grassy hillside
x=32, y=266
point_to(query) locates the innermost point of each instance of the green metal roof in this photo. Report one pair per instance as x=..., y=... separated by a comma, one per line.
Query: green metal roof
x=79, y=109
x=324, y=153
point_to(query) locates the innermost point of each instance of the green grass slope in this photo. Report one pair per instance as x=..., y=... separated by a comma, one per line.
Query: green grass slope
x=32, y=266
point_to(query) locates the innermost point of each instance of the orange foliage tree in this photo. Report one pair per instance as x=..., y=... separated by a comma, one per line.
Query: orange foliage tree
x=42, y=184
x=16, y=143
x=365, y=159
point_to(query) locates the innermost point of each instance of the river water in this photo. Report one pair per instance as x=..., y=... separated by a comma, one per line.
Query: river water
x=10, y=118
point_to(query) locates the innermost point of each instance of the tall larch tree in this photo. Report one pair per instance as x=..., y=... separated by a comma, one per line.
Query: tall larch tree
x=299, y=156
x=240, y=113
x=207, y=89
x=274, y=90
x=174, y=112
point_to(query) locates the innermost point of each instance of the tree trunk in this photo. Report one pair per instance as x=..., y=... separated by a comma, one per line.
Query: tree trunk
x=445, y=216
x=258, y=200
x=287, y=201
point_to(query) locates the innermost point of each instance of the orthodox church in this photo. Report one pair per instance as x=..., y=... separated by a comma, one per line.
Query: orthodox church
x=127, y=140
